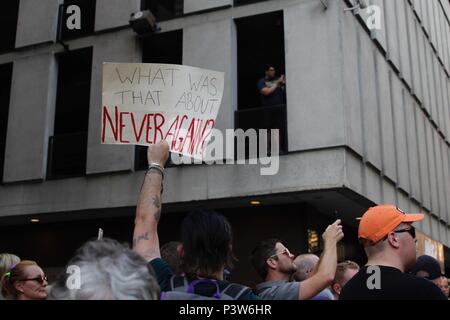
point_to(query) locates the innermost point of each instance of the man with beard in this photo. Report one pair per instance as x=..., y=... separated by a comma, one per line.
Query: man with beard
x=275, y=264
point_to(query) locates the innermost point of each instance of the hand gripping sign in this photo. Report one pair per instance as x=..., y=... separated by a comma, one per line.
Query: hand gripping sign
x=144, y=103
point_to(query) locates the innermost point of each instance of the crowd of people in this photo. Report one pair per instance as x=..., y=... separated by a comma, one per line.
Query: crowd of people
x=198, y=266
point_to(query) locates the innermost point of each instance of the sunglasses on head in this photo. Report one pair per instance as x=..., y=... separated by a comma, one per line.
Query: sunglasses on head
x=39, y=279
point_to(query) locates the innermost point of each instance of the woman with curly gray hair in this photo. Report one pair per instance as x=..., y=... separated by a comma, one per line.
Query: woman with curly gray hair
x=106, y=270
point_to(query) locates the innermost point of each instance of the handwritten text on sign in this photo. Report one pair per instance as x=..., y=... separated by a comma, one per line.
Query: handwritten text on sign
x=146, y=103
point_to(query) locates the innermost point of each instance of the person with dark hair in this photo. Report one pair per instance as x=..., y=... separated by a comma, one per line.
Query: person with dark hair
x=271, y=88
x=206, y=238
x=170, y=253
x=275, y=264
x=427, y=267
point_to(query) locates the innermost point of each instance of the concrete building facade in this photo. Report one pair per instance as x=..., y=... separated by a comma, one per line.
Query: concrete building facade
x=368, y=120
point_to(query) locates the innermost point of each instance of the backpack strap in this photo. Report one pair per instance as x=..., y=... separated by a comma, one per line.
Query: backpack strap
x=191, y=288
x=178, y=283
x=235, y=290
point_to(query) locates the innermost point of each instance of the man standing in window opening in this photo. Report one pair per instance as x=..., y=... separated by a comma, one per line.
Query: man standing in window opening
x=272, y=88
x=272, y=91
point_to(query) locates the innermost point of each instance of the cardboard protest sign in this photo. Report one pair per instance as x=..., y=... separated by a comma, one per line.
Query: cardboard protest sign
x=144, y=103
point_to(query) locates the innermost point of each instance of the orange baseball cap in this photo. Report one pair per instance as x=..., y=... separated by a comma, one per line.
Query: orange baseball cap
x=378, y=221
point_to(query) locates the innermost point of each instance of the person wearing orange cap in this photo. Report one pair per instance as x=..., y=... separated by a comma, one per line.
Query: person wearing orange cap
x=388, y=237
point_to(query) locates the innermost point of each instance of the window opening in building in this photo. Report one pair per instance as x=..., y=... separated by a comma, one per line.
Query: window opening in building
x=68, y=145
x=167, y=48
x=260, y=46
x=9, y=13
x=5, y=92
x=74, y=23
x=164, y=9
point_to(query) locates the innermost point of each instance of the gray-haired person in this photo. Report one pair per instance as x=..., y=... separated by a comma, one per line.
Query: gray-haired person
x=7, y=262
x=106, y=270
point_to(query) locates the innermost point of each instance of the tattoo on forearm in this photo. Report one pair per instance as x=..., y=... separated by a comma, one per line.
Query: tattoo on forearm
x=139, y=238
x=157, y=203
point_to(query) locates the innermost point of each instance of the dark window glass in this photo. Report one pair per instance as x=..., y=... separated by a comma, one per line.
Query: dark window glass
x=244, y=2
x=159, y=48
x=5, y=91
x=9, y=12
x=87, y=17
x=67, y=148
x=260, y=41
x=164, y=9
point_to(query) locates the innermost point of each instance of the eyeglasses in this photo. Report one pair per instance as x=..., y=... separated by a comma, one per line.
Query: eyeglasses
x=39, y=279
x=285, y=251
x=411, y=231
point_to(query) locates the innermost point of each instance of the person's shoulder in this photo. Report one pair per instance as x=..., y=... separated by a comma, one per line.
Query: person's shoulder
x=423, y=286
x=419, y=282
x=277, y=283
x=360, y=276
x=244, y=292
x=415, y=280
x=354, y=287
x=163, y=272
x=157, y=263
x=278, y=290
x=325, y=294
x=261, y=83
x=250, y=295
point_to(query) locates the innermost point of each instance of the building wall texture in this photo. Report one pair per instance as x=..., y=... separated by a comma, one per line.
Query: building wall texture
x=368, y=110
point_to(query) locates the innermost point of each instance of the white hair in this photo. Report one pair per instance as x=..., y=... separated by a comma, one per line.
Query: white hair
x=108, y=271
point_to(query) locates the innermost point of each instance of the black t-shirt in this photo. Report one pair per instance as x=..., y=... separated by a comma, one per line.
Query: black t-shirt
x=393, y=285
x=277, y=97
